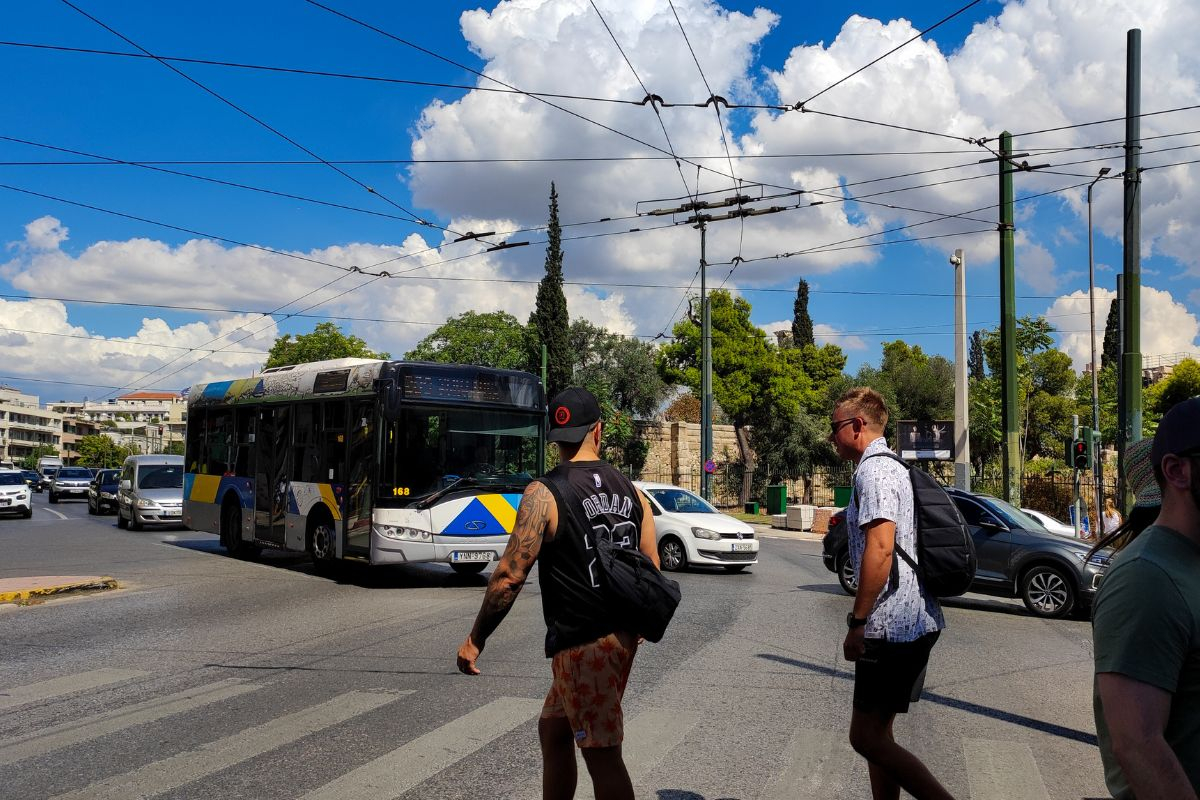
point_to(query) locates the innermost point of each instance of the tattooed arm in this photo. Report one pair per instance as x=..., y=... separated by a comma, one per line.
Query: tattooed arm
x=537, y=518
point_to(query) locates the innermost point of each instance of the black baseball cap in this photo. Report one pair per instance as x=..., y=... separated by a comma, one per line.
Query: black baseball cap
x=1178, y=432
x=573, y=412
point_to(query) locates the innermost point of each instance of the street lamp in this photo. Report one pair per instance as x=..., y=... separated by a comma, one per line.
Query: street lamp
x=1097, y=467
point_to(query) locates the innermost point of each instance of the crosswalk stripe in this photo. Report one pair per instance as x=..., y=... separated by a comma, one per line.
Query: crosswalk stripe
x=207, y=759
x=817, y=765
x=1002, y=770
x=74, y=732
x=67, y=684
x=394, y=773
x=648, y=738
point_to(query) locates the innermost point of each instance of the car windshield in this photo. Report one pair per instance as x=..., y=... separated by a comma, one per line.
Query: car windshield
x=108, y=476
x=160, y=476
x=75, y=473
x=11, y=479
x=681, y=501
x=1015, y=517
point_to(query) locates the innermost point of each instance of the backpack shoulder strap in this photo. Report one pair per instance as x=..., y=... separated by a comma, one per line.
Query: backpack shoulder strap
x=896, y=546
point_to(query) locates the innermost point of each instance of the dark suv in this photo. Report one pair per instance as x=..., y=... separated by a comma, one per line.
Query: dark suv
x=1017, y=558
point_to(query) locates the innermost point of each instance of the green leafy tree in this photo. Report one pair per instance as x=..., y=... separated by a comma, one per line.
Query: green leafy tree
x=550, y=324
x=751, y=381
x=823, y=365
x=493, y=339
x=1111, y=356
x=975, y=365
x=325, y=342
x=101, y=451
x=1181, y=384
x=30, y=461
x=802, y=324
x=922, y=385
x=174, y=448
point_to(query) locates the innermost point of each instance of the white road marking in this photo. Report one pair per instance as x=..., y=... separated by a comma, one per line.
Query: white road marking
x=74, y=732
x=818, y=763
x=1002, y=770
x=58, y=514
x=394, y=773
x=207, y=759
x=79, y=682
x=649, y=737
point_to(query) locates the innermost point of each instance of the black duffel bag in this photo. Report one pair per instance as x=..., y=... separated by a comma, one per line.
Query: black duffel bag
x=643, y=598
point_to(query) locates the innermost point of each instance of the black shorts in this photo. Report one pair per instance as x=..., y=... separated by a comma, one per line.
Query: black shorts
x=890, y=675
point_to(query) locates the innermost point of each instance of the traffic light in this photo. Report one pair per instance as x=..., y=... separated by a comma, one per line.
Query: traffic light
x=1081, y=452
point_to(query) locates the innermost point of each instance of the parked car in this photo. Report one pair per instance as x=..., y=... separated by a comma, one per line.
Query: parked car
x=32, y=479
x=70, y=482
x=1051, y=524
x=150, y=491
x=15, y=495
x=690, y=531
x=1052, y=574
x=102, y=491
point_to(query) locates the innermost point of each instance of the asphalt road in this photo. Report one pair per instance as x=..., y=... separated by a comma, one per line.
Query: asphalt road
x=206, y=676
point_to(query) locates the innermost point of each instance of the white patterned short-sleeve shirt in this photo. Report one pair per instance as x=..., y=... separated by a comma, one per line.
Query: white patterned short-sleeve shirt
x=882, y=490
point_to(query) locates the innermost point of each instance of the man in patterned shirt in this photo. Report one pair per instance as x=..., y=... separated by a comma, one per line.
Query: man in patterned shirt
x=894, y=624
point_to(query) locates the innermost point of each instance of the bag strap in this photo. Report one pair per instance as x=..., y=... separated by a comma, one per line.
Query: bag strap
x=912, y=563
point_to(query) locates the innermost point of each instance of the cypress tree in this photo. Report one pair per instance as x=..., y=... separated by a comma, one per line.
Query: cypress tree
x=550, y=323
x=1112, y=338
x=802, y=325
x=975, y=360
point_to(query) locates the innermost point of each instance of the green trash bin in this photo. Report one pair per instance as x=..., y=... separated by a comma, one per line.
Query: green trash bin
x=777, y=499
x=752, y=507
x=841, y=496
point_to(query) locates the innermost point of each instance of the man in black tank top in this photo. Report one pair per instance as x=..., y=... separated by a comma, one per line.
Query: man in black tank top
x=560, y=518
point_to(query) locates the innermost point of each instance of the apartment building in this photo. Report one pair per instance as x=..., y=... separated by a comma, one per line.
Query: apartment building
x=148, y=420
x=24, y=425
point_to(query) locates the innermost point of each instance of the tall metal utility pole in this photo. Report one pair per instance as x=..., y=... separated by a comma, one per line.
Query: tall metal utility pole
x=1120, y=488
x=1008, y=328
x=1131, y=355
x=962, y=439
x=706, y=435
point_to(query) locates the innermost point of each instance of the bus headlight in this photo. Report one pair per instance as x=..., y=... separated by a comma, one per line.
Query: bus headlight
x=403, y=534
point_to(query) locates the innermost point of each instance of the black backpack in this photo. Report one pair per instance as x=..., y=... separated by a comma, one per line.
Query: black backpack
x=643, y=599
x=946, y=561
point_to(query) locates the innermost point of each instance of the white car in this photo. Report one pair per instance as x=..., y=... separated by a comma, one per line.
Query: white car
x=1050, y=523
x=15, y=497
x=692, y=532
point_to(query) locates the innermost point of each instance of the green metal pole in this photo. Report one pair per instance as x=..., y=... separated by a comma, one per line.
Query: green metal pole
x=541, y=456
x=1008, y=328
x=1131, y=387
x=706, y=392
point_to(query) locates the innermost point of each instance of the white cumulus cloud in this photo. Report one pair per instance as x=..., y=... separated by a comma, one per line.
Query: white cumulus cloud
x=1167, y=325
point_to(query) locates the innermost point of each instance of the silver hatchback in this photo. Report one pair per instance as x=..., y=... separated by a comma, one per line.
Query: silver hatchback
x=150, y=491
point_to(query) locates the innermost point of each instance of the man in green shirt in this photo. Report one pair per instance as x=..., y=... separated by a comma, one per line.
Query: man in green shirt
x=1146, y=627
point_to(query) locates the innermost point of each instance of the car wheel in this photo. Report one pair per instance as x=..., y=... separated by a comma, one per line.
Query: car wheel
x=735, y=567
x=470, y=567
x=53, y=497
x=28, y=512
x=134, y=525
x=122, y=523
x=671, y=554
x=845, y=573
x=1047, y=592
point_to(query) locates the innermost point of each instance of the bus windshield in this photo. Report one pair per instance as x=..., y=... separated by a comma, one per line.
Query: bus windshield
x=427, y=450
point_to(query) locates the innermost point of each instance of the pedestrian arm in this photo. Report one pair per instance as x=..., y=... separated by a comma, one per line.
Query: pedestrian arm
x=1137, y=714
x=876, y=565
x=536, y=515
x=648, y=541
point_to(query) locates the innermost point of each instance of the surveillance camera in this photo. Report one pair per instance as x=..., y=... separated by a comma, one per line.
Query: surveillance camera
x=955, y=260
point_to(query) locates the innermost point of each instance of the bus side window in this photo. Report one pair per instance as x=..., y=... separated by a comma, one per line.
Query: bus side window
x=245, y=444
x=219, y=437
x=305, y=456
x=195, y=440
x=334, y=443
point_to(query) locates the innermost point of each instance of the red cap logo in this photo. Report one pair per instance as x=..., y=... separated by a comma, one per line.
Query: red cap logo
x=562, y=415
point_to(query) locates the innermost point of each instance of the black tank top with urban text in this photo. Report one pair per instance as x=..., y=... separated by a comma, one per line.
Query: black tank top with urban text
x=594, y=501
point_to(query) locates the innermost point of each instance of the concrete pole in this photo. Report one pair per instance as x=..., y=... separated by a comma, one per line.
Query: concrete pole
x=1011, y=445
x=962, y=439
x=1131, y=389
x=1097, y=464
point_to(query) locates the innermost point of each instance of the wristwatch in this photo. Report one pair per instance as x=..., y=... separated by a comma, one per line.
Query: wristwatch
x=853, y=622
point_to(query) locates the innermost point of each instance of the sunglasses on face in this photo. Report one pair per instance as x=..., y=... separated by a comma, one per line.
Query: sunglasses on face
x=837, y=424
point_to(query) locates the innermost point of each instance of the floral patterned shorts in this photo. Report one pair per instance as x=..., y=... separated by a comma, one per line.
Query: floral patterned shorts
x=589, y=681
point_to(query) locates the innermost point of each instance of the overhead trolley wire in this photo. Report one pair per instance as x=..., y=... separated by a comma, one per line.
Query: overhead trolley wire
x=108, y=340
x=872, y=63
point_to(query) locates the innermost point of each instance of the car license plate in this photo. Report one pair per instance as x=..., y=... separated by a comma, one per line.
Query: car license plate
x=742, y=547
x=171, y=512
x=472, y=555
x=5, y=502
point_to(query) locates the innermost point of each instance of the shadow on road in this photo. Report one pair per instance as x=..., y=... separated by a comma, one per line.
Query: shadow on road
x=952, y=702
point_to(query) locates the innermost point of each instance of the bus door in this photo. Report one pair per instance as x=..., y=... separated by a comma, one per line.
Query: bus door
x=361, y=427
x=272, y=447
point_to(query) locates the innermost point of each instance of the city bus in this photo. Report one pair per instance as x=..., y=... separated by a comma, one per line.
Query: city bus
x=386, y=462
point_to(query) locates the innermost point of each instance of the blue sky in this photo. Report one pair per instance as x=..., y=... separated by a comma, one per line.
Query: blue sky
x=1025, y=66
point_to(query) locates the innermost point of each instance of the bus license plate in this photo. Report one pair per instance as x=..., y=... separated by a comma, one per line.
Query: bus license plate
x=472, y=555
x=742, y=547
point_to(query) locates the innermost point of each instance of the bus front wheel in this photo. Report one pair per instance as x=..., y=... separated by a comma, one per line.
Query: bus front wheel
x=322, y=544
x=231, y=532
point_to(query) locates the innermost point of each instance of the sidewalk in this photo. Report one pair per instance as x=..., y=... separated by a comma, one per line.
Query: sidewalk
x=13, y=590
x=767, y=532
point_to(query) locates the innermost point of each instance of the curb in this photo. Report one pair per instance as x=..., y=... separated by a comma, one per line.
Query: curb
x=89, y=584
